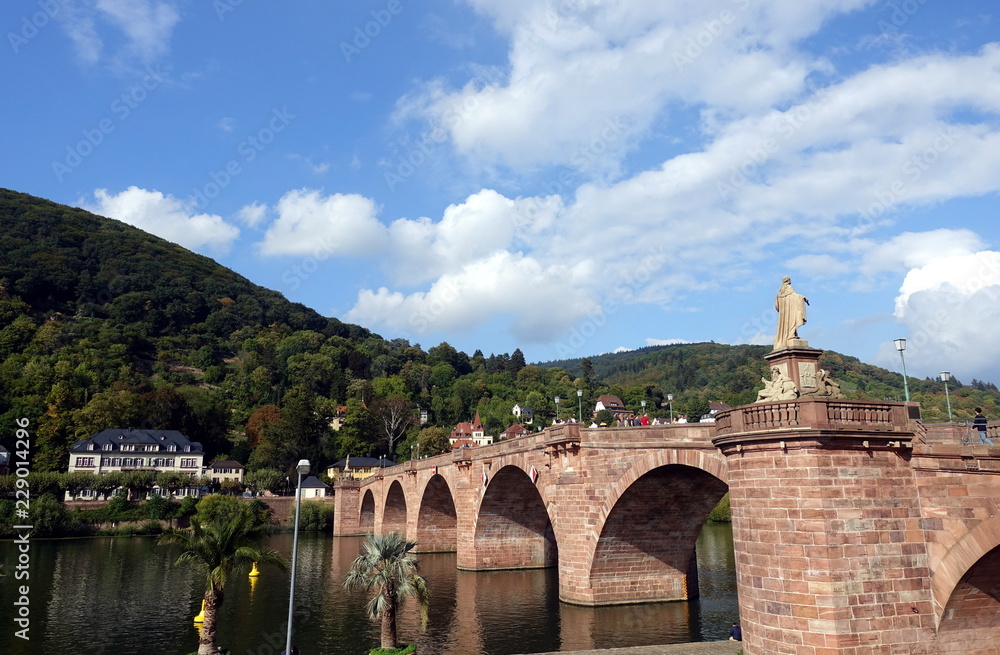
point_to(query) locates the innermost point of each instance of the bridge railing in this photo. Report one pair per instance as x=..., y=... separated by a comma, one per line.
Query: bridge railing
x=816, y=414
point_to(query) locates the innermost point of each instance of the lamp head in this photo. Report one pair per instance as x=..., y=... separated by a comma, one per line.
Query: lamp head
x=557, y=400
x=579, y=393
x=900, y=344
x=945, y=376
x=670, y=397
x=303, y=467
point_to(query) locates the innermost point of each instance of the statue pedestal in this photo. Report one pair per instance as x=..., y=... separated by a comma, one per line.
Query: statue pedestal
x=799, y=362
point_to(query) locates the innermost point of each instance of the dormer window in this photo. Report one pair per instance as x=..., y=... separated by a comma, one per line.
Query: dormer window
x=187, y=449
x=106, y=446
x=172, y=447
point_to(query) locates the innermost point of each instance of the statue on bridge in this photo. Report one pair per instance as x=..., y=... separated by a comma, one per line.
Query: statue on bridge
x=826, y=387
x=779, y=387
x=791, y=308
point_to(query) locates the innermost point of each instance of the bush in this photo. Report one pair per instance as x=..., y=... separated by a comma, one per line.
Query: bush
x=158, y=507
x=402, y=650
x=50, y=517
x=721, y=513
x=314, y=516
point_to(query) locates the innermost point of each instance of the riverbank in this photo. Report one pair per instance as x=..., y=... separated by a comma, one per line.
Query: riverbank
x=699, y=648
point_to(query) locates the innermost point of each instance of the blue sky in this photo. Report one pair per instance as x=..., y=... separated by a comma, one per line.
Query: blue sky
x=568, y=176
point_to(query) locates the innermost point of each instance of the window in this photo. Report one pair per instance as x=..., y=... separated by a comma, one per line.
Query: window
x=116, y=461
x=188, y=463
x=172, y=448
x=128, y=446
x=106, y=446
x=85, y=461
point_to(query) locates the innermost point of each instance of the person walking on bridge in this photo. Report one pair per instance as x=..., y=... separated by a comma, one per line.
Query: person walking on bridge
x=980, y=423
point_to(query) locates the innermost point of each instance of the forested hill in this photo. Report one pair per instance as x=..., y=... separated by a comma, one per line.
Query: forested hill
x=105, y=326
x=61, y=259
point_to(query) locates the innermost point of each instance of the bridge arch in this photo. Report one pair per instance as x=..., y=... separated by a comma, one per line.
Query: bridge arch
x=437, y=520
x=366, y=517
x=965, y=587
x=648, y=533
x=513, y=528
x=394, y=512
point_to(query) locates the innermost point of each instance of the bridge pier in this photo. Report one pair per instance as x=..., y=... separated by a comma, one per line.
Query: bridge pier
x=827, y=529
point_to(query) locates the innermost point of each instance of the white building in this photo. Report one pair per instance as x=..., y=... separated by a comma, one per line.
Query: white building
x=118, y=449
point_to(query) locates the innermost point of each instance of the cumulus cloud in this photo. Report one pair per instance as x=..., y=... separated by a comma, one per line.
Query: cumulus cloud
x=592, y=77
x=501, y=284
x=309, y=223
x=165, y=216
x=951, y=307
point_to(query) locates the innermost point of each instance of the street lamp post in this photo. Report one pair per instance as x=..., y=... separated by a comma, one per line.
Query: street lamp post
x=670, y=402
x=579, y=403
x=557, y=409
x=302, y=468
x=901, y=346
x=945, y=376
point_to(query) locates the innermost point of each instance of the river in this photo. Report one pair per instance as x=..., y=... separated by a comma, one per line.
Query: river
x=124, y=596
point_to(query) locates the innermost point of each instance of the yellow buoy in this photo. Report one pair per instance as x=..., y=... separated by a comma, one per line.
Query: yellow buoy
x=200, y=618
x=254, y=572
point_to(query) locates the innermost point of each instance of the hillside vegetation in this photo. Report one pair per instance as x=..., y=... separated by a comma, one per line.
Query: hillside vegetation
x=103, y=325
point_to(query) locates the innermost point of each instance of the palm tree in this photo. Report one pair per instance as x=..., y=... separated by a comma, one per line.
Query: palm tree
x=386, y=567
x=221, y=548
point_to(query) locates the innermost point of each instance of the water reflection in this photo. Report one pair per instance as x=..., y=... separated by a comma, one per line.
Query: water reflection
x=95, y=596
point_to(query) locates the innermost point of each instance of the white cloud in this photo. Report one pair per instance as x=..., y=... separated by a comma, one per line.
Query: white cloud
x=146, y=27
x=542, y=301
x=309, y=223
x=252, y=214
x=165, y=216
x=951, y=307
x=592, y=77
x=911, y=250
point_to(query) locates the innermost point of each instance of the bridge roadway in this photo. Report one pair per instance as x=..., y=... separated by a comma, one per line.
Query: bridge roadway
x=854, y=530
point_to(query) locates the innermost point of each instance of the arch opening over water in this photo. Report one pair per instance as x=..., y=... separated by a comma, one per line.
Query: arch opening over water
x=437, y=523
x=513, y=529
x=647, y=543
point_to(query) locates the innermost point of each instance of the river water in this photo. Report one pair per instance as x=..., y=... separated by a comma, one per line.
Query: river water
x=124, y=596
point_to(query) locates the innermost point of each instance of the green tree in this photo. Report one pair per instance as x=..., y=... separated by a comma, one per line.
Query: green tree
x=220, y=548
x=386, y=567
x=265, y=480
x=434, y=440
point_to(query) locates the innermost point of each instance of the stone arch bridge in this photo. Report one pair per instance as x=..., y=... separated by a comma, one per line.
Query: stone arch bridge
x=856, y=530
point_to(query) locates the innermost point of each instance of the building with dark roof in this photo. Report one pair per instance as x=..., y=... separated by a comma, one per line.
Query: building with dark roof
x=313, y=487
x=118, y=449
